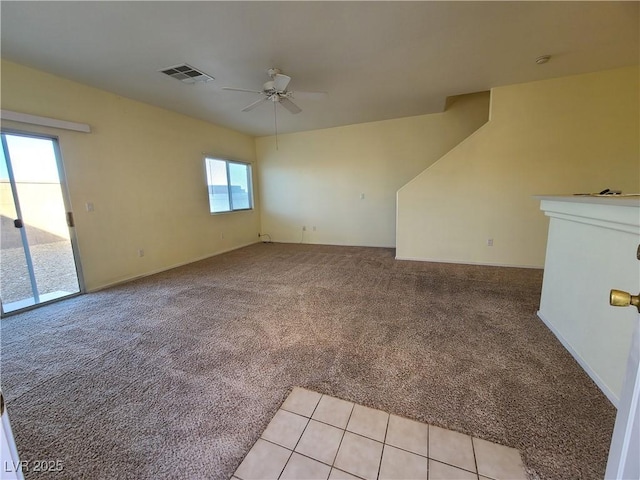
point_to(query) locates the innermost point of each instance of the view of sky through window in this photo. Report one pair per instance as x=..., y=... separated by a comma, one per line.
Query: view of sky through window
x=229, y=185
x=33, y=160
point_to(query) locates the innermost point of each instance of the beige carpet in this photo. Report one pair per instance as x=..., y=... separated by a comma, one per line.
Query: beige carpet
x=176, y=375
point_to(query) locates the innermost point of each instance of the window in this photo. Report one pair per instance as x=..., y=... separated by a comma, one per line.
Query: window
x=229, y=185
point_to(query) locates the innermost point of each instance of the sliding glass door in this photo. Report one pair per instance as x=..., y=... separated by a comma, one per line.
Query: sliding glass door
x=37, y=261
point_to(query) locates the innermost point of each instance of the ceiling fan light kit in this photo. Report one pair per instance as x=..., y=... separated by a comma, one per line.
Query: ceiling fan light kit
x=276, y=91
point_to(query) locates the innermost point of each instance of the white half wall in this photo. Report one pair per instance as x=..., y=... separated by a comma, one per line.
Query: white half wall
x=591, y=250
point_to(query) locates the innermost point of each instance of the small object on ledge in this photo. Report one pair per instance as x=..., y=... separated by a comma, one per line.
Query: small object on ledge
x=604, y=192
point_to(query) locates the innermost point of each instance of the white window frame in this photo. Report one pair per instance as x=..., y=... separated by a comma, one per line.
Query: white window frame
x=227, y=162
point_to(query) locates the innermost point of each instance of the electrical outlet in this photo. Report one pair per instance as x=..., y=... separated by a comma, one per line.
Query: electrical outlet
x=89, y=206
x=140, y=252
x=489, y=242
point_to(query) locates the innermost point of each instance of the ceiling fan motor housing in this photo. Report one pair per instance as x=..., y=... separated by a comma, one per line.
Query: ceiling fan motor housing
x=276, y=90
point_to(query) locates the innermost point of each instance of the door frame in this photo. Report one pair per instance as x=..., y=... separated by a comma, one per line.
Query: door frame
x=55, y=141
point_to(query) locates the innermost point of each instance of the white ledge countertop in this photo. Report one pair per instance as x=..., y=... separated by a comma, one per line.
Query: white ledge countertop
x=625, y=200
x=614, y=212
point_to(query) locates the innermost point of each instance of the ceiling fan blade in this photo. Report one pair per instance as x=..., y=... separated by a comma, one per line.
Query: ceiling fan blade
x=309, y=95
x=241, y=90
x=289, y=105
x=253, y=105
x=280, y=82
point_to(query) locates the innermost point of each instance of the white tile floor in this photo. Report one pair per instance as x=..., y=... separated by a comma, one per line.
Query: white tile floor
x=314, y=436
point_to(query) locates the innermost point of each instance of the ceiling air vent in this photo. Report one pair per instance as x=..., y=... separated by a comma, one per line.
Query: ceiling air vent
x=186, y=73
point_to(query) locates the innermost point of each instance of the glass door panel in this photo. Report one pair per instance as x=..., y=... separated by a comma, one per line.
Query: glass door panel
x=33, y=167
x=15, y=279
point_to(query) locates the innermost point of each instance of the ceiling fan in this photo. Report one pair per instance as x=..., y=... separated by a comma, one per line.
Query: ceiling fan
x=276, y=91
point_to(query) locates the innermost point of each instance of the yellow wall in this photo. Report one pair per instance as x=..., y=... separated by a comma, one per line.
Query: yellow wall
x=566, y=135
x=143, y=169
x=316, y=179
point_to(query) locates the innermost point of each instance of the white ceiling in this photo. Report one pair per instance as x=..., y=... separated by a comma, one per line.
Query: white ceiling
x=377, y=60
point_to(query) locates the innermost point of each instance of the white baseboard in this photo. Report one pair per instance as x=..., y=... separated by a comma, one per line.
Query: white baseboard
x=337, y=244
x=164, y=269
x=460, y=262
x=585, y=366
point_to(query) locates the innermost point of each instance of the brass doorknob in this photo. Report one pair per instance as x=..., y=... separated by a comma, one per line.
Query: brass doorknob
x=618, y=298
